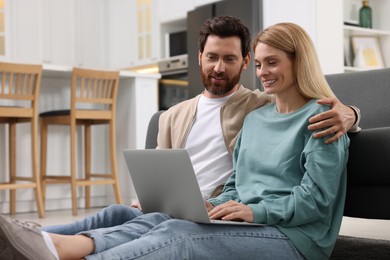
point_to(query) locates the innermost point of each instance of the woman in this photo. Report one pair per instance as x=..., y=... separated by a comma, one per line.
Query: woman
x=283, y=177
x=299, y=187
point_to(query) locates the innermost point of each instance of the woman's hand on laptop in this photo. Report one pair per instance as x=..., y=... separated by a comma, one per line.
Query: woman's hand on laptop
x=208, y=205
x=231, y=210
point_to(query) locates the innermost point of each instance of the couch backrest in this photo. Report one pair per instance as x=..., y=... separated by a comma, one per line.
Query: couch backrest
x=369, y=91
x=152, y=132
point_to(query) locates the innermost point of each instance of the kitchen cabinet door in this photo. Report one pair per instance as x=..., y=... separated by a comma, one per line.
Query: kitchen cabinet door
x=58, y=22
x=121, y=34
x=24, y=30
x=91, y=33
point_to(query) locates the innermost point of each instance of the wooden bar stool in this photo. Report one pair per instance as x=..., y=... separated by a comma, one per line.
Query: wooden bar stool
x=93, y=102
x=19, y=85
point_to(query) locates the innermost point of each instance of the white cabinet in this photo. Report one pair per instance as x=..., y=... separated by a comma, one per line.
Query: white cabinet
x=87, y=33
x=23, y=30
x=121, y=46
x=90, y=33
x=380, y=30
x=173, y=10
x=57, y=23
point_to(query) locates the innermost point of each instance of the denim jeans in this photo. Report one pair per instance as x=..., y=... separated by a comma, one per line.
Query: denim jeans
x=110, y=216
x=157, y=236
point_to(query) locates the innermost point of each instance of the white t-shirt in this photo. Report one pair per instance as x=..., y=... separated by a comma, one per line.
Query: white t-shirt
x=205, y=144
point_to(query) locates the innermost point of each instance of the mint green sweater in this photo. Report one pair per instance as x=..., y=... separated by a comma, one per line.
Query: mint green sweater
x=290, y=179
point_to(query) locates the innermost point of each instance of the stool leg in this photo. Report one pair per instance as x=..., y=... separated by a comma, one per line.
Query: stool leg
x=114, y=167
x=88, y=158
x=43, y=126
x=12, y=166
x=73, y=165
x=35, y=167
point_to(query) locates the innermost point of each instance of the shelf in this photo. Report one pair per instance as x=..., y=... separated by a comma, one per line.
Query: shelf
x=354, y=30
x=354, y=69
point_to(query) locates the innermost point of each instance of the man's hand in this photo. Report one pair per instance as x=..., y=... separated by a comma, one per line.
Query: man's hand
x=232, y=210
x=136, y=205
x=336, y=121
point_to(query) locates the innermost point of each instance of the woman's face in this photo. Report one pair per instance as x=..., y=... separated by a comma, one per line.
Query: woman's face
x=274, y=69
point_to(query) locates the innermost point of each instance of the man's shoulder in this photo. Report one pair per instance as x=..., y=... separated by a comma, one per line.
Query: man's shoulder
x=253, y=98
x=181, y=108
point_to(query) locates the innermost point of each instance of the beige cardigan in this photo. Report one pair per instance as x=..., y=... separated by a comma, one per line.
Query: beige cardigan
x=175, y=124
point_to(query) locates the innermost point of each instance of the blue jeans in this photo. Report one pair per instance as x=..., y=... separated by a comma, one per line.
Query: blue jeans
x=157, y=236
x=110, y=216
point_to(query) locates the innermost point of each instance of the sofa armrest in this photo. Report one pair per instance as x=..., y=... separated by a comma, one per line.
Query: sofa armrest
x=368, y=174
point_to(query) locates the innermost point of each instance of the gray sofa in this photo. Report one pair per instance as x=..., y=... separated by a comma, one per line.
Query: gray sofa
x=368, y=191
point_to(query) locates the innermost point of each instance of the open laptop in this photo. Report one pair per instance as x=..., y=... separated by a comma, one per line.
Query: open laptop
x=165, y=181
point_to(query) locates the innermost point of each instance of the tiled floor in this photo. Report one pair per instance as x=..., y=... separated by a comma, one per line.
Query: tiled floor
x=377, y=229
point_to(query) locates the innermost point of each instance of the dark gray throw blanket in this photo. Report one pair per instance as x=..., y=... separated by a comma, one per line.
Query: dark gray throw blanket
x=357, y=248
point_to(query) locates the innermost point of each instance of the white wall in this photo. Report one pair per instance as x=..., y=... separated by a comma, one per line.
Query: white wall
x=321, y=19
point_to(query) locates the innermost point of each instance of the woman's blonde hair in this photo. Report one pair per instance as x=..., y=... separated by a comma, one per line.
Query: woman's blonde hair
x=293, y=40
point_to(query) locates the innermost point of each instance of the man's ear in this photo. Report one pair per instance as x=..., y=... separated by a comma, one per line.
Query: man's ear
x=199, y=58
x=246, y=61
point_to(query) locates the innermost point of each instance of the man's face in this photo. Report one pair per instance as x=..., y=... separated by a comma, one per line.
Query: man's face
x=221, y=64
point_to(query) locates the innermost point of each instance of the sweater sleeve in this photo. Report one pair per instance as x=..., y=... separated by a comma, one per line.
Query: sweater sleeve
x=355, y=128
x=314, y=198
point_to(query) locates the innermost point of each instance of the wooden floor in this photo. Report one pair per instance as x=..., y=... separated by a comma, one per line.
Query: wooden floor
x=54, y=217
x=377, y=229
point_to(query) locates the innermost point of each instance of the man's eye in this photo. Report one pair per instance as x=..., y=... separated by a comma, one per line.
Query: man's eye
x=230, y=59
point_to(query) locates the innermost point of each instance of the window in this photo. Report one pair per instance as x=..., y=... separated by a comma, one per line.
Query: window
x=144, y=29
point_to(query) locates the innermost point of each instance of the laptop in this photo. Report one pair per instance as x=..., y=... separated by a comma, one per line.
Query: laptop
x=165, y=181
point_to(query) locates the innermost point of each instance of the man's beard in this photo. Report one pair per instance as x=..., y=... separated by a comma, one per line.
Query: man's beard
x=220, y=89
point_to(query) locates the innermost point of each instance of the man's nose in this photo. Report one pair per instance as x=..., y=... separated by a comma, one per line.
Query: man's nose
x=219, y=66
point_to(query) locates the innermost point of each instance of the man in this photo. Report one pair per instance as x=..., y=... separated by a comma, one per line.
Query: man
x=207, y=126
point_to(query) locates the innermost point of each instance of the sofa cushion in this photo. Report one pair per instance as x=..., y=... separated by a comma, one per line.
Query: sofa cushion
x=368, y=173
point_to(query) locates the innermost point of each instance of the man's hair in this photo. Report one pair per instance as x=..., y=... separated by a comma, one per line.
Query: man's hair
x=225, y=26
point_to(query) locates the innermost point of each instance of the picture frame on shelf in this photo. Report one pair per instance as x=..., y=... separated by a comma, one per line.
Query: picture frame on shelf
x=367, y=52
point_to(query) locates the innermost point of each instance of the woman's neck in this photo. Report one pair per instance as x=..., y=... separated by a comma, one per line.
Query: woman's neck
x=290, y=102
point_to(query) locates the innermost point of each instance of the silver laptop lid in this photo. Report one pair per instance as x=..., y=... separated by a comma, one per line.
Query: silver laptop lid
x=165, y=181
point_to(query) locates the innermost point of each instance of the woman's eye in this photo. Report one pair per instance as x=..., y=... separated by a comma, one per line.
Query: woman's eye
x=272, y=62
